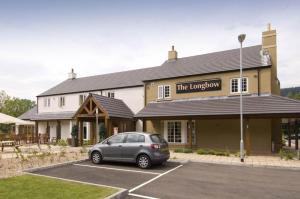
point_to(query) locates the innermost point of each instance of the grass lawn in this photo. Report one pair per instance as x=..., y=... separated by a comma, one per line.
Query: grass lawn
x=36, y=187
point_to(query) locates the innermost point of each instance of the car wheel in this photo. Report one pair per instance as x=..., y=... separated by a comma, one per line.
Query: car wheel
x=144, y=161
x=96, y=157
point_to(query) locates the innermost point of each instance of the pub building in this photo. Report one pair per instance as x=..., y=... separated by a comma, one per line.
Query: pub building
x=191, y=101
x=197, y=103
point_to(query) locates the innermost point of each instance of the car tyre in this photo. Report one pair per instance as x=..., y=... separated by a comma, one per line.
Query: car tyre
x=143, y=161
x=96, y=157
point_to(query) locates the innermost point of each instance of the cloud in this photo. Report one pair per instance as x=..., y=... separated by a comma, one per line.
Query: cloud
x=38, y=49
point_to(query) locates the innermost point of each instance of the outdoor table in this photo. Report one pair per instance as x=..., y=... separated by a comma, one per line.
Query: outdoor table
x=6, y=143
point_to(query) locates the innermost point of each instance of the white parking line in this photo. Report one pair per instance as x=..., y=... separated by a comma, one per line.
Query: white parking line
x=69, y=180
x=141, y=196
x=117, y=169
x=147, y=182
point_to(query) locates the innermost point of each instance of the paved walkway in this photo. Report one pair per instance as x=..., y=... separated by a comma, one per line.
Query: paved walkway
x=255, y=161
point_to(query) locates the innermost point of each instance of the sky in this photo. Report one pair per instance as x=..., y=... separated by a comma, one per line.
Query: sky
x=40, y=41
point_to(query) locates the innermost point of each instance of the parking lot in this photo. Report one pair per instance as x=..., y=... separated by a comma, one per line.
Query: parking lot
x=187, y=180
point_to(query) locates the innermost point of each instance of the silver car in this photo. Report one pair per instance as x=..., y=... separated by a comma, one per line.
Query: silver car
x=144, y=149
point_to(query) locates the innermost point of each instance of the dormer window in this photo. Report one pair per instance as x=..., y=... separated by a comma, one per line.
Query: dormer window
x=111, y=94
x=47, y=102
x=164, y=92
x=81, y=99
x=61, y=102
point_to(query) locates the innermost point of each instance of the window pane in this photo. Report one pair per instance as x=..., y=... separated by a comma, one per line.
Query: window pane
x=244, y=85
x=117, y=139
x=167, y=91
x=131, y=138
x=170, y=131
x=235, y=85
x=174, y=132
x=156, y=138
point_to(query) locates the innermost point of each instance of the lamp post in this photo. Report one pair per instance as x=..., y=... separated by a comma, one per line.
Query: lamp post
x=241, y=38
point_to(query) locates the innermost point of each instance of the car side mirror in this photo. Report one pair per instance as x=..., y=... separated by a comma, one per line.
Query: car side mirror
x=108, y=142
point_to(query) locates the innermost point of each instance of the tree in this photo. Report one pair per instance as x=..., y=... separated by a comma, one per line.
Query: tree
x=16, y=106
x=290, y=95
x=3, y=98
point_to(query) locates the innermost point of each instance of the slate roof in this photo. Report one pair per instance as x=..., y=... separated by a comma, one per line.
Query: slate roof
x=52, y=116
x=195, y=65
x=28, y=114
x=253, y=105
x=114, y=107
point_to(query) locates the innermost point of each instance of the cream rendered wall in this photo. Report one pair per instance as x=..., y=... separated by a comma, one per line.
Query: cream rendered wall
x=52, y=125
x=42, y=127
x=65, y=129
x=133, y=97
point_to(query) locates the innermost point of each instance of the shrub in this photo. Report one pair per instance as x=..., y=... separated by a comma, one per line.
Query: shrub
x=213, y=152
x=62, y=143
x=287, y=154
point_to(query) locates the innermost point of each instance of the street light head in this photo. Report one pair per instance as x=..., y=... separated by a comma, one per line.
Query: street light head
x=242, y=37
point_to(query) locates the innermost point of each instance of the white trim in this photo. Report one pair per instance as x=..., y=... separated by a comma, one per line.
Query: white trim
x=160, y=92
x=75, y=181
x=164, y=93
x=239, y=86
x=183, y=131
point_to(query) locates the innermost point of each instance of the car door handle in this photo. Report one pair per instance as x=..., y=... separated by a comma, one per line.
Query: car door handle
x=141, y=145
x=120, y=146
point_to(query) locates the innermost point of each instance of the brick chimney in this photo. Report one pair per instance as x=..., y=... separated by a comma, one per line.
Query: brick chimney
x=269, y=45
x=172, y=55
x=72, y=75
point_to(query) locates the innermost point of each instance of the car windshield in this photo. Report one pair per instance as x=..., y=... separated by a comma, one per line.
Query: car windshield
x=157, y=139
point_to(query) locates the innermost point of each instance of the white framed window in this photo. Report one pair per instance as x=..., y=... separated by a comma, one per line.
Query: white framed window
x=163, y=91
x=174, y=131
x=235, y=85
x=47, y=102
x=61, y=101
x=111, y=94
x=81, y=99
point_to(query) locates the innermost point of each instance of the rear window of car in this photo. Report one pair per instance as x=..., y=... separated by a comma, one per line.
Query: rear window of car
x=132, y=138
x=156, y=138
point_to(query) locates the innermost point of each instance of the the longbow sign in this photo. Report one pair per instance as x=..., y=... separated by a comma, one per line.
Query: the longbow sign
x=199, y=86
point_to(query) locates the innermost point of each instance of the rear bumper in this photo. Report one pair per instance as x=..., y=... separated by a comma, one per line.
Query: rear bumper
x=160, y=157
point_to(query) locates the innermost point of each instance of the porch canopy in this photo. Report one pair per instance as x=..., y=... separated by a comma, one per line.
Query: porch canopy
x=111, y=112
x=266, y=106
x=7, y=119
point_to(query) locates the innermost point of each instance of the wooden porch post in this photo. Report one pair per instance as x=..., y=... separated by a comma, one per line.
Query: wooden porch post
x=92, y=131
x=106, y=126
x=81, y=132
x=36, y=132
x=144, y=125
x=190, y=133
x=296, y=135
x=289, y=134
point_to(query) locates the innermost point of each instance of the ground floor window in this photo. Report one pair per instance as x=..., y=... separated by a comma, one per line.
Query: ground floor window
x=174, y=131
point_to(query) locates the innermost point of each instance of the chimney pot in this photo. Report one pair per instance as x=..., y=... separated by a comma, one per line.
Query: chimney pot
x=72, y=75
x=172, y=55
x=269, y=26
